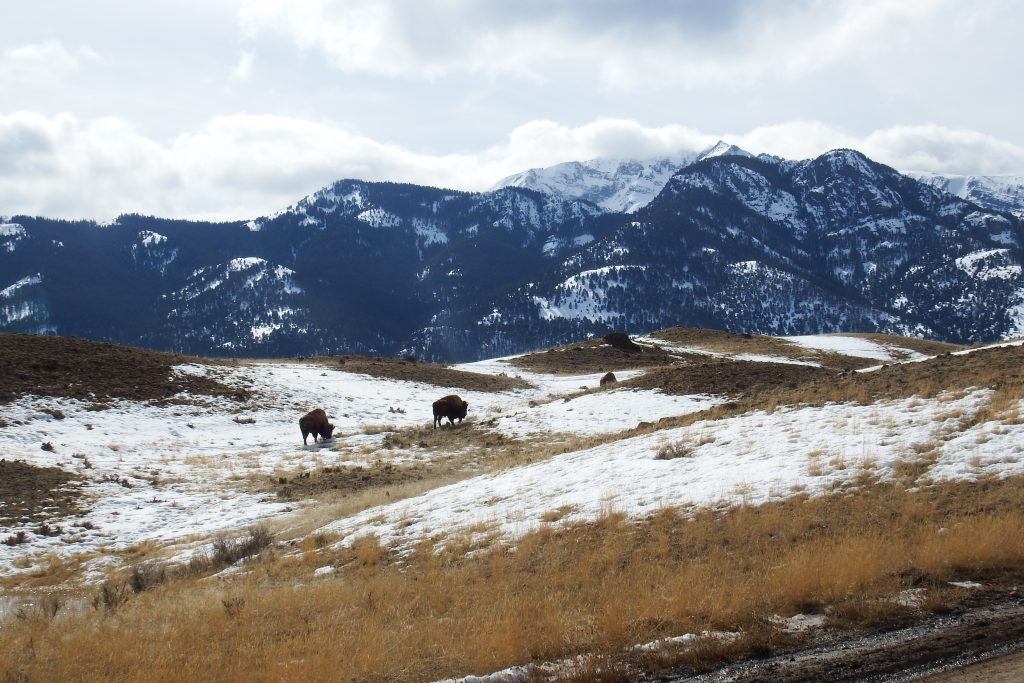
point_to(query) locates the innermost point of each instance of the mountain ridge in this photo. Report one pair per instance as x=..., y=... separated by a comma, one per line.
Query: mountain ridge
x=732, y=241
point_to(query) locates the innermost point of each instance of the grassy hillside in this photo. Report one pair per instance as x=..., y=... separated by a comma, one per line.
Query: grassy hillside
x=729, y=497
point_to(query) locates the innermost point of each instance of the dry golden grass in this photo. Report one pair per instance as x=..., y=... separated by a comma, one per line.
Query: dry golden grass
x=588, y=588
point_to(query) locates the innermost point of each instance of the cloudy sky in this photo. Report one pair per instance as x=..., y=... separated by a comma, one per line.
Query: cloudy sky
x=235, y=108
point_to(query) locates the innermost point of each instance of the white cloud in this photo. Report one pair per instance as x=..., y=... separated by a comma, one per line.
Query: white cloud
x=927, y=147
x=243, y=166
x=42, y=62
x=243, y=70
x=943, y=150
x=633, y=44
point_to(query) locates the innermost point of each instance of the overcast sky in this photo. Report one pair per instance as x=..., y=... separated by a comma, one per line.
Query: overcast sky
x=236, y=108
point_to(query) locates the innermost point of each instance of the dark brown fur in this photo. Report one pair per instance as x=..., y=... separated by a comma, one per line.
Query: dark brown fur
x=608, y=379
x=450, y=406
x=315, y=422
x=621, y=341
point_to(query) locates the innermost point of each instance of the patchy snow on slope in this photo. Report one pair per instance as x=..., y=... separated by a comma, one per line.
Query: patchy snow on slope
x=10, y=235
x=988, y=264
x=379, y=218
x=429, y=233
x=190, y=467
x=180, y=473
x=148, y=238
x=10, y=291
x=546, y=385
x=236, y=265
x=750, y=459
x=677, y=349
x=857, y=347
x=606, y=412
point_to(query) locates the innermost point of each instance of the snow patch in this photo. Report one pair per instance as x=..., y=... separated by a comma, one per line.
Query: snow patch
x=10, y=235
x=11, y=290
x=239, y=264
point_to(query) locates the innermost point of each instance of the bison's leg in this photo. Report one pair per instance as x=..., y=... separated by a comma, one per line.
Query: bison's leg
x=304, y=435
x=437, y=419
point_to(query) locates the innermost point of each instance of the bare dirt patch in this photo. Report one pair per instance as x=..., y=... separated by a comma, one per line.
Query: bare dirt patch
x=426, y=373
x=467, y=447
x=986, y=623
x=89, y=370
x=31, y=494
x=726, y=377
x=594, y=355
x=999, y=669
x=349, y=479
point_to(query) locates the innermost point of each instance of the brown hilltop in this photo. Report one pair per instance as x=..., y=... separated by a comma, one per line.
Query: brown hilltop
x=89, y=370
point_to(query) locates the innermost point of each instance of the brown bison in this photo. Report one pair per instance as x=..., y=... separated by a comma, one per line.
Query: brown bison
x=315, y=422
x=608, y=379
x=621, y=341
x=450, y=406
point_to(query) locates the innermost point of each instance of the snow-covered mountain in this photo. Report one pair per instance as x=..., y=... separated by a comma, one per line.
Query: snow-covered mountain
x=999, y=192
x=768, y=245
x=617, y=185
x=732, y=241
x=626, y=185
x=722, y=149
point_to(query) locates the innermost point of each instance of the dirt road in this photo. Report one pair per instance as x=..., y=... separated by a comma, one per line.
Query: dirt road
x=946, y=646
x=1005, y=669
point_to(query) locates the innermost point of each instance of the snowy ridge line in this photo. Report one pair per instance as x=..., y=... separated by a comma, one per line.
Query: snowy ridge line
x=962, y=352
x=651, y=342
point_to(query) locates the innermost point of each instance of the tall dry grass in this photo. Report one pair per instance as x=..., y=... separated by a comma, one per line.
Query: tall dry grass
x=590, y=588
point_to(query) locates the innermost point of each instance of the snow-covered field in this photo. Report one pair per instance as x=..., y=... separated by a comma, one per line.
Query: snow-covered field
x=748, y=459
x=186, y=471
x=166, y=473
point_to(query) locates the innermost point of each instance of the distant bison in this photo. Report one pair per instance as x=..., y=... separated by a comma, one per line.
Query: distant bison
x=608, y=379
x=315, y=422
x=451, y=407
x=621, y=341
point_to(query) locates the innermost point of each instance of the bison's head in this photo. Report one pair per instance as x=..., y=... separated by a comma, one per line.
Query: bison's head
x=465, y=408
x=328, y=431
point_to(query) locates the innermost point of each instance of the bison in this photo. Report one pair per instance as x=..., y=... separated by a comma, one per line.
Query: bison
x=451, y=407
x=621, y=341
x=315, y=422
x=608, y=379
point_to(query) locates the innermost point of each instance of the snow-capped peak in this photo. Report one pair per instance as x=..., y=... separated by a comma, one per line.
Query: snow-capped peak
x=999, y=192
x=620, y=185
x=722, y=149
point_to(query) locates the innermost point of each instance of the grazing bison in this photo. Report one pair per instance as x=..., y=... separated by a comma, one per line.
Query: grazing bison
x=621, y=341
x=608, y=379
x=315, y=422
x=451, y=407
